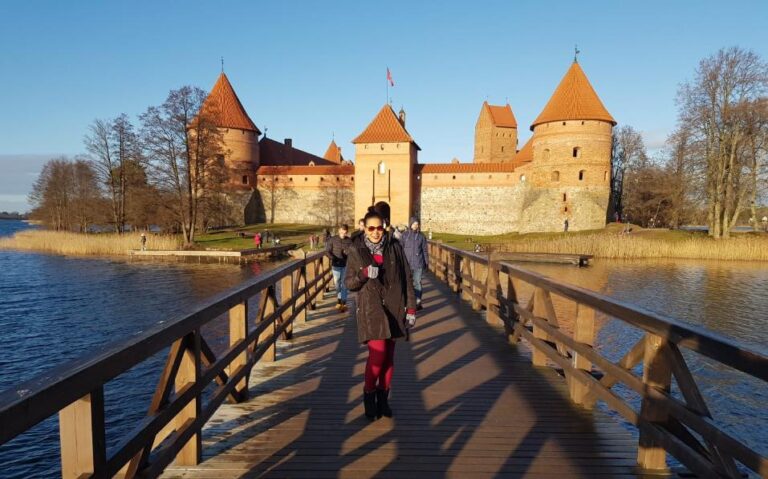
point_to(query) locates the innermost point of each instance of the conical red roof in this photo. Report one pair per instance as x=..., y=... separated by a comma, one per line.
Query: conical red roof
x=385, y=128
x=574, y=99
x=333, y=153
x=229, y=110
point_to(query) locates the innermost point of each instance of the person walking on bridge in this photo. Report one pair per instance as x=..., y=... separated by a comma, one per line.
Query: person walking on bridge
x=415, y=246
x=386, y=307
x=337, y=248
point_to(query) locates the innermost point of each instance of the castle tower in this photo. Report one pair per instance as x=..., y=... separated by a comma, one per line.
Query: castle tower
x=385, y=155
x=571, y=157
x=495, y=134
x=240, y=135
x=333, y=153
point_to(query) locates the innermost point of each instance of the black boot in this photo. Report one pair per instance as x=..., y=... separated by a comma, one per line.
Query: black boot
x=369, y=401
x=382, y=403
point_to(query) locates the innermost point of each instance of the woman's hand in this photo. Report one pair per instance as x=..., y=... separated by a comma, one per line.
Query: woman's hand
x=370, y=272
x=410, y=318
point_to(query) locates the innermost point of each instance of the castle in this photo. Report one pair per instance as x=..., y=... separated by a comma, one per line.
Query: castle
x=561, y=173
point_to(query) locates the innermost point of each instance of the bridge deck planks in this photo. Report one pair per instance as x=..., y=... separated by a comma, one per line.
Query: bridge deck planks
x=466, y=404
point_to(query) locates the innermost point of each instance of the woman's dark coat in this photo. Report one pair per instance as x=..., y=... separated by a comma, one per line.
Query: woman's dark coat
x=382, y=301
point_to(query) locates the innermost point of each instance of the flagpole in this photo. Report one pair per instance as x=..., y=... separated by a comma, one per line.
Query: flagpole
x=387, y=81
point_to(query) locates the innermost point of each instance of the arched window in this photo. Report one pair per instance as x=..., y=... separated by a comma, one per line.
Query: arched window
x=577, y=152
x=502, y=149
x=545, y=155
x=522, y=178
x=565, y=197
x=555, y=175
x=605, y=176
x=581, y=175
x=382, y=168
x=245, y=179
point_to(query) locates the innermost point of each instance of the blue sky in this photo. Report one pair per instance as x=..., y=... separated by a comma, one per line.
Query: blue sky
x=308, y=70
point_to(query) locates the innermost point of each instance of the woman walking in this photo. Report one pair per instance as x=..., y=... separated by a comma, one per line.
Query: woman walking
x=386, y=307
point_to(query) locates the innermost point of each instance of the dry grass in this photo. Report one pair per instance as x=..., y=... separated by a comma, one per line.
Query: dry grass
x=747, y=247
x=78, y=244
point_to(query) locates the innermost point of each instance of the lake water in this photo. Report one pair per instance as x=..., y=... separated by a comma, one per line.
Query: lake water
x=55, y=308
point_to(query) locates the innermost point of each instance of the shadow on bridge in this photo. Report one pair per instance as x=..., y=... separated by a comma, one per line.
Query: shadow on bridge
x=466, y=404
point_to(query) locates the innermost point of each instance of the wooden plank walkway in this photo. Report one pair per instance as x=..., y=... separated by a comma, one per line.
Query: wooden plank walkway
x=466, y=404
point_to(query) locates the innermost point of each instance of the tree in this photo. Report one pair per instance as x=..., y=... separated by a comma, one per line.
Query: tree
x=721, y=107
x=114, y=149
x=627, y=151
x=185, y=150
x=66, y=195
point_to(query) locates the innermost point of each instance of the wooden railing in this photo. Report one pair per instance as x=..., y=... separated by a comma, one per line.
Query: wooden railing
x=178, y=409
x=674, y=421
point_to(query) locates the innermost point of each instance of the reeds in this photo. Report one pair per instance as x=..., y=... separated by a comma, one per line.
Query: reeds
x=78, y=244
x=743, y=247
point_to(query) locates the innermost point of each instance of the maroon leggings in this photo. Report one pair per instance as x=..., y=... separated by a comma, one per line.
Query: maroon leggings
x=380, y=365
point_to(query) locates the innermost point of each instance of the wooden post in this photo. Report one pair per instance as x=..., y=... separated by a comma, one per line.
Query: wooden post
x=656, y=374
x=492, y=294
x=464, y=285
x=188, y=375
x=583, y=332
x=311, y=269
x=299, y=283
x=266, y=308
x=82, y=436
x=512, y=317
x=238, y=331
x=286, y=293
x=479, y=273
x=539, y=309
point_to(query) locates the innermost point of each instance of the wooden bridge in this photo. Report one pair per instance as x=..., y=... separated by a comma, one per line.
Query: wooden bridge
x=500, y=379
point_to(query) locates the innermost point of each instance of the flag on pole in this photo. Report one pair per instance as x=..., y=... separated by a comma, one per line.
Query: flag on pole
x=389, y=77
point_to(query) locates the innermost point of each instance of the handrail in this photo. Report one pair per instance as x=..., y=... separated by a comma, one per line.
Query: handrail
x=666, y=423
x=176, y=415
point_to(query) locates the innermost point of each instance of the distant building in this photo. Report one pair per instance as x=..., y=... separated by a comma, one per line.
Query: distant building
x=562, y=172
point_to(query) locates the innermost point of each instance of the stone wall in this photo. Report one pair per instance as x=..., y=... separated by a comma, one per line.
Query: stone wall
x=319, y=206
x=481, y=210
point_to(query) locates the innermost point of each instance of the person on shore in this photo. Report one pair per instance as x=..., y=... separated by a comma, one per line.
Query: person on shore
x=386, y=307
x=360, y=228
x=257, y=240
x=416, y=252
x=143, y=241
x=337, y=249
x=312, y=241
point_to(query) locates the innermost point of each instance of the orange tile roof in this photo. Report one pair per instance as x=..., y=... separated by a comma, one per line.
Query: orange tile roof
x=385, y=128
x=307, y=170
x=525, y=155
x=574, y=99
x=333, y=153
x=428, y=168
x=229, y=110
x=501, y=115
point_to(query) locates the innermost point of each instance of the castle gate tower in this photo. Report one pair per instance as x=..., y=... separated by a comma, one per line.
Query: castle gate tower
x=385, y=155
x=571, y=158
x=495, y=134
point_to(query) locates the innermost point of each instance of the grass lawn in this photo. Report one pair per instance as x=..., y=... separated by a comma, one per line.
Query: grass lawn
x=230, y=240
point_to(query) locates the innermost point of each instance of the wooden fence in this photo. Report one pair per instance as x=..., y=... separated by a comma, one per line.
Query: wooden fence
x=178, y=409
x=680, y=424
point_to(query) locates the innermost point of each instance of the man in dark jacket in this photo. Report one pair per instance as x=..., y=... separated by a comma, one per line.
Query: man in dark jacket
x=415, y=245
x=337, y=248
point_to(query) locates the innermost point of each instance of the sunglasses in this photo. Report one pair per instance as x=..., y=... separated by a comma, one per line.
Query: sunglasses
x=375, y=228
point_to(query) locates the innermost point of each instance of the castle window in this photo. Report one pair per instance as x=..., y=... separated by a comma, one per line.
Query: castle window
x=605, y=176
x=565, y=198
x=454, y=177
x=555, y=175
x=581, y=175
x=337, y=179
x=382, y=146
x=522, y=178
x=577, y=152
x=563, y=123
x=490, y=176
x=305, y=178
x=545, y=156
x=382, y=167
x=321, y=178
x=245, y=179
x=290, y=179
x=566, y=209
x=502, y=149
x=582, y=122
